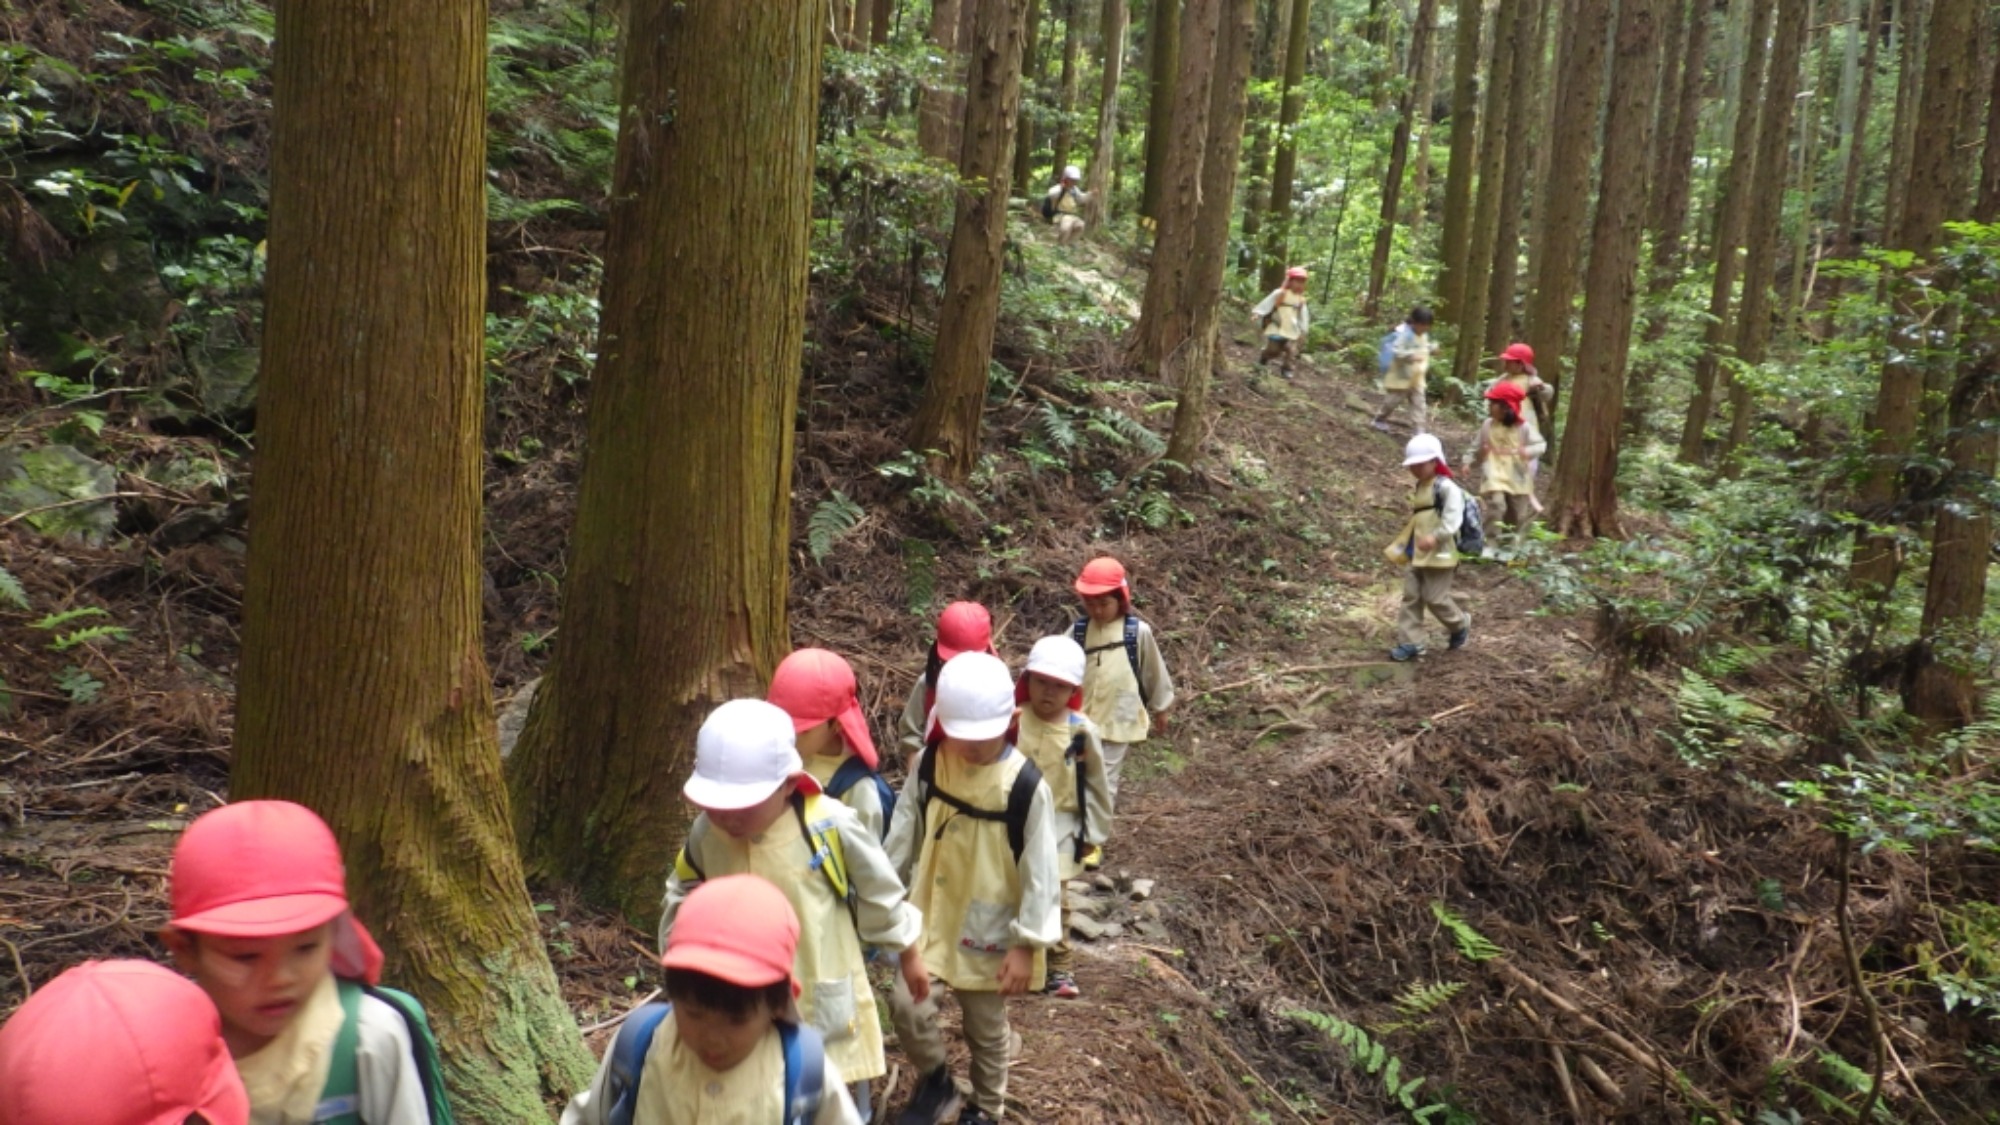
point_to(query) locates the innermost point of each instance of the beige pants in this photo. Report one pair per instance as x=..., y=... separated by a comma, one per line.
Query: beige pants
x=987, y=1035
x=1516, y=508
x=1068, y=226
x=1114, y=765
x=1060, y=955
x=1413, y=396
x=1286, y=352
x=1427, y=587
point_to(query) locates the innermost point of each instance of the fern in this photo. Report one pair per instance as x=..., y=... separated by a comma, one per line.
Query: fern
x=1713, y=721
x=58, y=620
x=919, y=576
x=832, y=518
x=84, y=636
x=1472, y=945
x=1372, y=1058
x=1125, y=431
x=11, y=590
x=1057, y=430
x=1421, y=999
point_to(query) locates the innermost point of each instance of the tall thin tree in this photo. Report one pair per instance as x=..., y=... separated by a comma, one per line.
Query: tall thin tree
x=1164, y=313
x=1265, y=59
x=1024, y=129
x=1470, y=314
x=1460, y=171
x=1065, y=135
x=940, y=107
x=1097, y=178
x=1277, y=228
x=1399, y=155
x=1504, y=272
x=1163, y=35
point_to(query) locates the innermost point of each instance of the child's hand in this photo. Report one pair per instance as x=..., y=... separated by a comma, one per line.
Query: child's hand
x=1159, y=723
x=1015, y=971
x=915, y=975
x=1427, y=543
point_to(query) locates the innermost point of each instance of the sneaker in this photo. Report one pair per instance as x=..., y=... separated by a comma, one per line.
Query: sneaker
x=973, y=1115
x=1380, y=425
x=1062, y=986
x=1402, y=654
x=1461, y=635
x=935, y=1101
x=1285, y=371
x=1093, y=859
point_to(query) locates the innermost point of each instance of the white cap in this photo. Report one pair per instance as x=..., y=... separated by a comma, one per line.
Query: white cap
x=1058, y=658
x=975, y=697
x=745, y=751
x=1072, y=172
x=1423, y=448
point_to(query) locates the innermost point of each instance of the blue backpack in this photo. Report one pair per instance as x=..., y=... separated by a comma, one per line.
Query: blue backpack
x=1130, y=644
x=851, y=773
x=1385, y=355
x=805, y=1065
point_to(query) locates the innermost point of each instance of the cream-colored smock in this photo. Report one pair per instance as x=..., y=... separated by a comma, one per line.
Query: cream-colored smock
x=862, y=797
x=1111, y=697
x=285, y=1077
x=1427, y=519
x=1409, y=361
x=1084, y=816
x=1284, y=314
x=677, y=1088
x=1505, y=453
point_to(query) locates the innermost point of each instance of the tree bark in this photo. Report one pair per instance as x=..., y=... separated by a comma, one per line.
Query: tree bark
x=1399, y=155
x=884, y=22
x=1459, y=172
x=940, y=107
x=1909, y=88
x=1024, y=129
x=1097, y=178
x=1065, y=137
x=1504, y=272
x=1585, y=498
x=1473, y=294
x=1419, y=197
x=1163, y=34
x=1806, y=238
x=1986, y=207
x=1264, y=64
x=1854, y=152
x=947, y=422
x=364, y=693
x=1164, y=313
x=1731, y=214
x=1277, y=229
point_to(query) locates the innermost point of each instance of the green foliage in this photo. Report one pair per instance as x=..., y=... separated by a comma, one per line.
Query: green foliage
x=919, y=577
x=1714, y=723
x=831, y=518
x=1373, y=1059
x=1472, y=945
x=79, y=685
x=1967, y=971
x=1420, y=999
x=11, y=591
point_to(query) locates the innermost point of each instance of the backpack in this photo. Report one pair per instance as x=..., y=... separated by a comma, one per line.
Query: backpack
x=850, y=774
x=822, y=837
x=1131, y=643
x=340, y=1098
x=1472, y=529
x=1019, y=798
x=805, y=1065
x=1049, y=204
x=1385, y=355
x=1074, y=756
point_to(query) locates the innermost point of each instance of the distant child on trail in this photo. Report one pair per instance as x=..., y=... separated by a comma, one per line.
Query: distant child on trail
x=1508, y=443
x=1056, y=736
x=1063, y=206
x=1285, y=319
x=1126, y=689
x=962, y=627
x=1517, y=368
x=727, y=1046
x=762, y=814
x=118, y=1043
x=1410, y=348
x=1427, y=547
x=818, y=690
x=974, y=838
x=261, y=922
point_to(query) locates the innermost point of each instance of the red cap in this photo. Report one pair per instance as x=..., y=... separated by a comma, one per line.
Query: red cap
x=963, y=627
x=118, y=1043
x=266, y=869
x=1509, y=393
x=814, y=685
x=1519, y=353
x=737, y=928
x=1296, y=271
x=1104, y=575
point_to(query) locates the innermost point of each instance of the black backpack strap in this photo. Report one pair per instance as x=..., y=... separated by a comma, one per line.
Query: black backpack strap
x=1078, y=743
x=1078, y=629
x=1132, y=654
x=1019, y=798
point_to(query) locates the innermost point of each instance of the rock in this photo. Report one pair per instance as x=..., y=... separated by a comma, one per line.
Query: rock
x=1103, y=882
x=1083, y=904
x=1086, y=927
x=514, y=716
x=1078, y=886
x=1142, y=889
x=191, y=525
x=1151, y=931
x=1113, y=930
x=51, y=478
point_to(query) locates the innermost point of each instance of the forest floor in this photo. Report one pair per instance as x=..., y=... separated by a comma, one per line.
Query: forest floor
x=1488, y=866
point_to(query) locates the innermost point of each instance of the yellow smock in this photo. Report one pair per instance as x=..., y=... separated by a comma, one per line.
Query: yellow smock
x=1047, y=745
x=1506, y=460
x=677, y=1088
x=285, y=1077
x=1425, y=520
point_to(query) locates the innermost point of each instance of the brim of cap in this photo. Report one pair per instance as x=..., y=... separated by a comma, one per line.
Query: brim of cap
x=711, y=794
x=976, y=730
x=266, y=917
x=723, y=964
x=1408, y=461
x=1063, y=675
x=1096, y=589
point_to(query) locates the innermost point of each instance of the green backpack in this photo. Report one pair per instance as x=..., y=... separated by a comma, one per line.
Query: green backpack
x=340, y=1100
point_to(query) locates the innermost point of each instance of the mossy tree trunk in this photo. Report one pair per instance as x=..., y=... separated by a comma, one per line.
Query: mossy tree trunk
x=1165, y=317
x=1163, y=39
x=1277, y=226
x=1098, y=177
x=1399, y=156
x=675, y=598
x=364, y=692
x=1463, y=160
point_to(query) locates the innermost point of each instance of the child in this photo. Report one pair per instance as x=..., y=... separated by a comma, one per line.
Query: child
x=762, y=814
x=1409, y=365
x=1285, y=320
x=261, y=922
x=1517, y=367
x=974, y=837
x=734, y=1052
x=1428, y=547
x=1507, y=444
x=818, y=690
x=1064, y=205
x=1056, y=736
x=1126, y=689
x=962, y=627
x=118, y=1043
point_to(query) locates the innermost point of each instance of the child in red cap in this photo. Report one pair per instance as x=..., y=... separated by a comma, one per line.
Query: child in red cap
x=1517, y=368
x=1285, y=319
x=118, y=1043
x=1508, y=443
x=763, y=814
x=962, y=627
x=734, y=1050
x=261, y=922
x=1126, y=688
x=818, y=690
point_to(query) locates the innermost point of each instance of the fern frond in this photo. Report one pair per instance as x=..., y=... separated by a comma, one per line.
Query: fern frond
x=1056, y=429
x=1472, y=945
x=11, y=590
x=1373, y=1058
x=832, y=518
x=1421, y=999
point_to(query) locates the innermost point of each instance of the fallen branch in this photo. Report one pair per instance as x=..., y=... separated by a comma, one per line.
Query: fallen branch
x=621, y=1017
x=1859, y=983
x=1299, y=670
x=107, y=497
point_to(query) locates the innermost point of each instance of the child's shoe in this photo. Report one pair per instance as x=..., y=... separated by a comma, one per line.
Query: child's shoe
x=1094, y=858
x=1461, y=635
x=1402, y=654
x=1062, y=986
x=935, y=1101
x=1379, y=424
x=973, y=1115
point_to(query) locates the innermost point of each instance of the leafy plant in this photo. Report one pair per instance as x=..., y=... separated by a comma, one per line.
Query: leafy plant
x=11, y=591
x=79, y=685
x=1372, y=1058
x=1420, y=999
x=831, y=518
x=1472, y=945
x=1714, y=722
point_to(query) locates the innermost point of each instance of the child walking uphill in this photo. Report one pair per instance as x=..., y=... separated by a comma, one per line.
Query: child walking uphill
x=1410, y=349
x=1508, y=443
x=118, y=1043
x=762, y=814
x=1285, y=319
x=1428, y=550
x=818, y=690
x=727, y=1046
x=261, y=922
x=1063, y=744
x=1517, y=368
x=962, y=627
x=1126, y=688
x=1064, y=203
x=974, y=838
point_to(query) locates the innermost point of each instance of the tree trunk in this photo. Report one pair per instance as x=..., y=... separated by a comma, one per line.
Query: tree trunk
x=1399, y=155
x=940, y=107
x=884, y=22
x=1164, y=36
x=1264, y=64
x=1191, y=367
x=1504, y=272
x=1277, y=230
x=1673, y=66
x=1731, y=213
x=1473, y=294
x=1986, y=208
x=1946, y=85
x=1065, y=137
x=1774, y=135
x=1585, y=499
x=1854, y=151
x=947, y=421
x=1419, y=197
x=1164, y=313
x=1909, y=88
x=1024, y=129
x=1464, y=157
x=1806, y=238
x=1097, y=178
x=364, y=693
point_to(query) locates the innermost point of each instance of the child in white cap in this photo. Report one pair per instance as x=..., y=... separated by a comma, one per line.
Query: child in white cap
x=1063, y=207
x=763, y=814
x=1427, y=549
x=1056, y=736
x=974, y=837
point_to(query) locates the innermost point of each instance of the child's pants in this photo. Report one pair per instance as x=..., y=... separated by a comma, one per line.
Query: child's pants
x=1413, y=396
x=1427, y=587
x=1059, y=953
x=1068, y=226
x=1286, y=352
x=1114, y=764
x=984, y=1018
x=1516, y=508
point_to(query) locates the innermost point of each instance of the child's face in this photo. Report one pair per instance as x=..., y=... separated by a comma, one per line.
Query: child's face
x=1420, y=328
x=720, y=1039
x=258, y=984
x=1103, y=607
x=1048, y=697
x=823, y=739
x=1423, y=472
x=742, y=824
x=982, y=753
x=1496, y=410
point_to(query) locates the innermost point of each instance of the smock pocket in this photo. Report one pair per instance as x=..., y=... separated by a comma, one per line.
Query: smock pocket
x=833, y=1008
x=988, y=928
